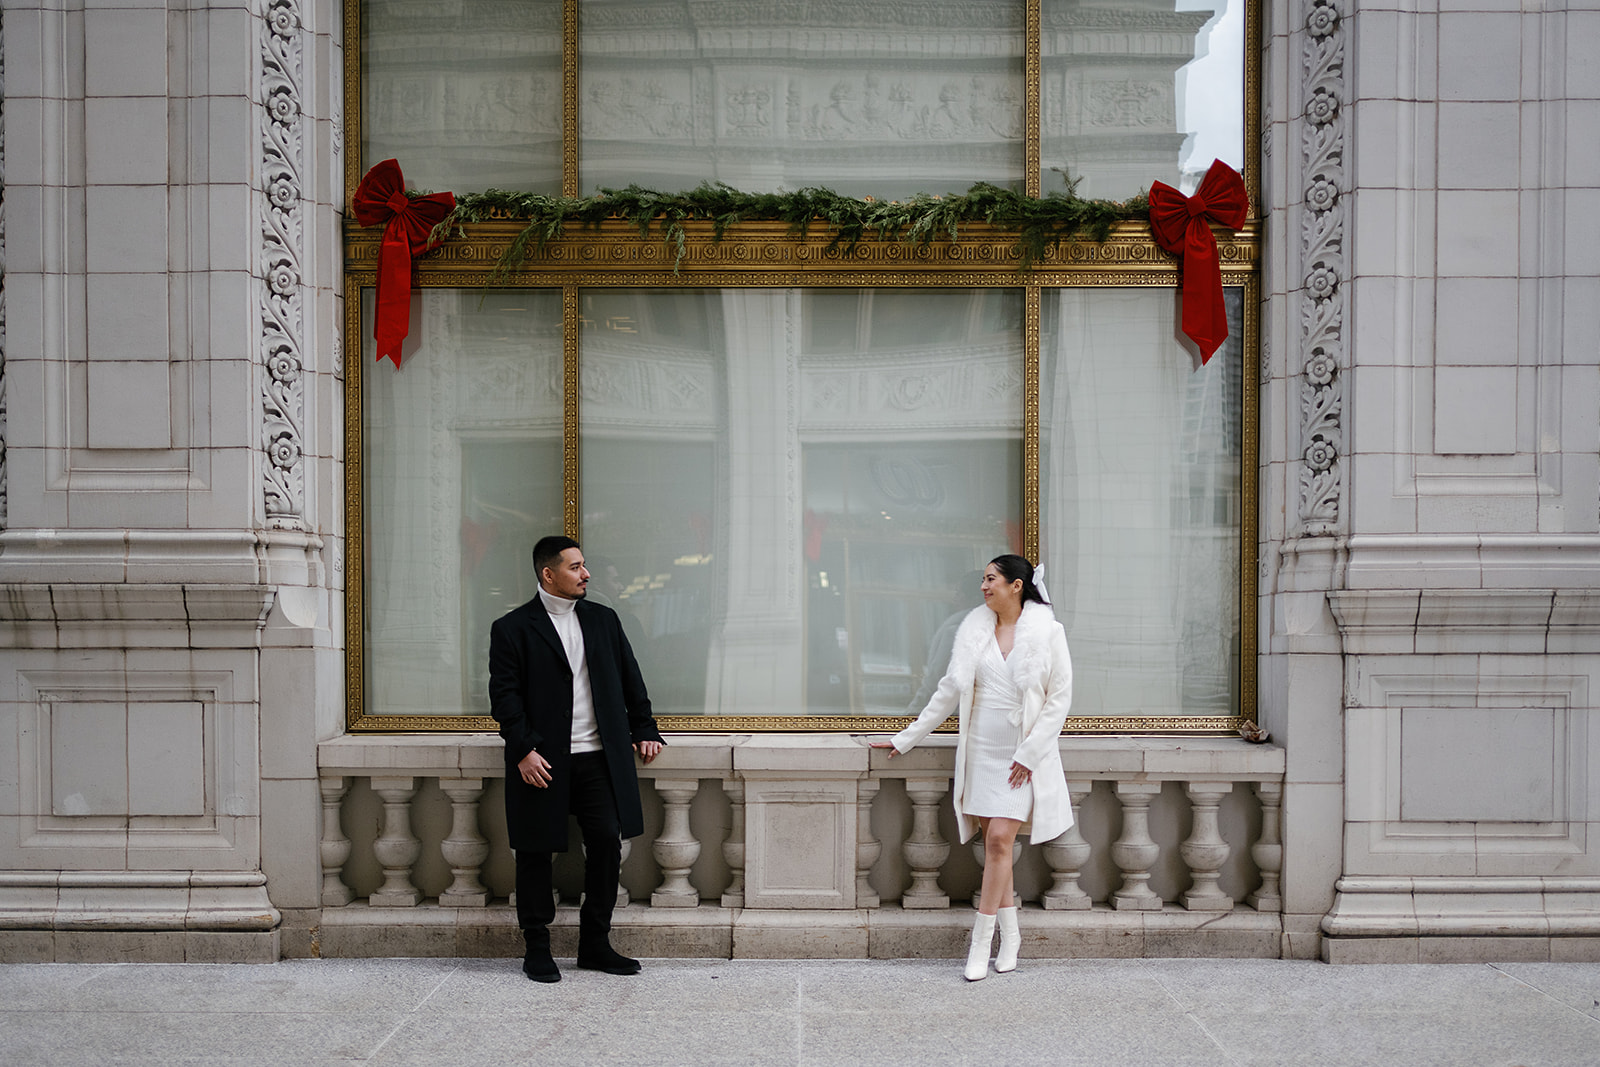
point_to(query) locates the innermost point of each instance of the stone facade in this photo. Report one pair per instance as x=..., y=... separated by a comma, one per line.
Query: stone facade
x=175, y=778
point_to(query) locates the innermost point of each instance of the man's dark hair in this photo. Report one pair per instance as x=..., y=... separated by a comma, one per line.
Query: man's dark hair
x=547, y=552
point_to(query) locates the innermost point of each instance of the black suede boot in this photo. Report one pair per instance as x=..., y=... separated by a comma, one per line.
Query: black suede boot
x=596, y=954
x=537, y=963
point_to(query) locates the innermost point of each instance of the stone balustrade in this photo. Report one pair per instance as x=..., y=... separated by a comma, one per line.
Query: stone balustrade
x=793, y=845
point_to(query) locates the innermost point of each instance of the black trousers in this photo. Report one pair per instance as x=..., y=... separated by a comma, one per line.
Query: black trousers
x=594, y=805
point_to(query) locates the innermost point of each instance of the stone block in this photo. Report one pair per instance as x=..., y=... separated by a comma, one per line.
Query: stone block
x=27, y=946
x=212, y=946
x=120, y=946
x=800, y=843
x=1575, y=950
x=1369, y=949
x=773, y=934
x=1483, y=949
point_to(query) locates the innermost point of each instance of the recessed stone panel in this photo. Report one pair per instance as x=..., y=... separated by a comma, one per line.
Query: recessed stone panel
x=1474, y=764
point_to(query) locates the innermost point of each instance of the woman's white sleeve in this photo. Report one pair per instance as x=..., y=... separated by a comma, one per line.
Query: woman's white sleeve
x=944, y=703
x=1057, y=702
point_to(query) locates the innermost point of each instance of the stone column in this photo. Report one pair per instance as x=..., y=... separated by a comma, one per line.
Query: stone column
x=1205, y=851
x=868, y=848
x=1066, y=856
x=1268, y=849
x=465, y=849
x=733, y=847
x=335, y=847
x=1135, y=852
x=397, y=848
x=926, y=849
x=676, y=849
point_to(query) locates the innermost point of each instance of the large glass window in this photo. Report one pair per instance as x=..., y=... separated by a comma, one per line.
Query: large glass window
x=884, y=99
x=787, y=484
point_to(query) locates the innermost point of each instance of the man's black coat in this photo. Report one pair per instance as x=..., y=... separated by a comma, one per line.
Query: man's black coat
x=530, y=696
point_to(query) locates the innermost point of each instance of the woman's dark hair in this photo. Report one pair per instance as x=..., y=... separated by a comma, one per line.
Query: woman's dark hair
x=1013, y=568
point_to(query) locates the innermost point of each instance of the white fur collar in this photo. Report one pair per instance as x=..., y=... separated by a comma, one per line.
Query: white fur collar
x=1030, y=650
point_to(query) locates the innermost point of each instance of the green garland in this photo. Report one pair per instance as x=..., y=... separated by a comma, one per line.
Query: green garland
x=1040, y=223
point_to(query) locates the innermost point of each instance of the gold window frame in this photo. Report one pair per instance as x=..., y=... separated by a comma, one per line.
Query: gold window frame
x=766, y=254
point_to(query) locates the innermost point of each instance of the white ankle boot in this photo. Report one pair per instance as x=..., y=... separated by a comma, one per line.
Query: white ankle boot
x=1010, y=941
x=978, y=954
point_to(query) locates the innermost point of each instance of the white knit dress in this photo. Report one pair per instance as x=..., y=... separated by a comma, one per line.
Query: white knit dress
x=992, y=740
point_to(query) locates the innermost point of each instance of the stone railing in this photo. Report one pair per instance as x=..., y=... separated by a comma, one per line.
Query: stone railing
x=812, y=845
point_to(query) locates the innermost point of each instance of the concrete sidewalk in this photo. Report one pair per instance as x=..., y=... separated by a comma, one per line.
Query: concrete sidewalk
x=1142, y=1013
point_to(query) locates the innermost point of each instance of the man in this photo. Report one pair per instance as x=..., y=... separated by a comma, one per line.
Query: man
x=572, y=708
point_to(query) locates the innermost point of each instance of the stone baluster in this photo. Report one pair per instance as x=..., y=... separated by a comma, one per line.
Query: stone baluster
x=1066, y=856
x=733, y=847
x=465, y=849
x=1135, y=852
x=979, y=855
x=1205, y=851
x=1268, y=849
x=397, y=848
x=868, y=848
x=335, y=847
x=925, y=850
x=623, y=899
x=676, y=849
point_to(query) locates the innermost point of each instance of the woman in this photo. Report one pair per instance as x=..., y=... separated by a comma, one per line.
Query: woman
x=1010, y=683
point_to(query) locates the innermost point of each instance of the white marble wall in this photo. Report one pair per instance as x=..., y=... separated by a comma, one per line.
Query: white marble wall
x=1430, y=383
x=171, y=617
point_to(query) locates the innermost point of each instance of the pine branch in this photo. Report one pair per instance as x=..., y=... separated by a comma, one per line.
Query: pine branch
x=1040, y=223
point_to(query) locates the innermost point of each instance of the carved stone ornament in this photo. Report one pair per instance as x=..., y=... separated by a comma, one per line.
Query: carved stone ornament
x=283, y=250
x=1322, y=237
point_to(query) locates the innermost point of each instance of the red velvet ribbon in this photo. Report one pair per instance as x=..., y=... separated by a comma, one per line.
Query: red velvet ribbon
x=381, y=199
x=1180, y=225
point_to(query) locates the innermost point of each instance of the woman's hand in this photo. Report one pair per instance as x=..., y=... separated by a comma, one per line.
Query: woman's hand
x=893, y=752
x=1020, y=775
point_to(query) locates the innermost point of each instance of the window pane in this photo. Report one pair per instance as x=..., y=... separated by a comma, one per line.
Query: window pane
x=784, y=530
x=1139, y=502
x=880, y=100
x=462, y=473
x=1133, y=91
x=466, y=95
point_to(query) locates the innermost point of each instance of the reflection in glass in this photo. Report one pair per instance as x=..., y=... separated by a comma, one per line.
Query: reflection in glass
x=466, y=95
x=462, y=473
x=1133, y=91
x=1139, y=502
x=784, y=530
x=884, y=99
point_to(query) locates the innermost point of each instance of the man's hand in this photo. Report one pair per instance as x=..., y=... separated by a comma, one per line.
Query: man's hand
x=535, y=770
x=648, y=750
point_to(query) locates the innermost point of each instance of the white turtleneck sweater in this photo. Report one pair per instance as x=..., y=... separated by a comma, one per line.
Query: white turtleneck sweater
x=564, y=615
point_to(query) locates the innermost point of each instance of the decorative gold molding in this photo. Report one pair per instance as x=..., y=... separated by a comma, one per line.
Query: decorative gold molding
x=860, y=724
x=571, y=516
x=1030, y=422
x=1032, y=135
x=351, y=54
x=765, y=254
x=1252, y=105
x=758, y=254
x=569, y=97
x=355, y=601
x=1249, y=497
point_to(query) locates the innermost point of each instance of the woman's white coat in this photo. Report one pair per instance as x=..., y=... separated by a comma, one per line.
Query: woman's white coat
x=1042, y=670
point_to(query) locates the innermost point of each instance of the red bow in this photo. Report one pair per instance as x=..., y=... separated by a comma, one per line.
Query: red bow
x=1180, y=226
x=381, y=198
